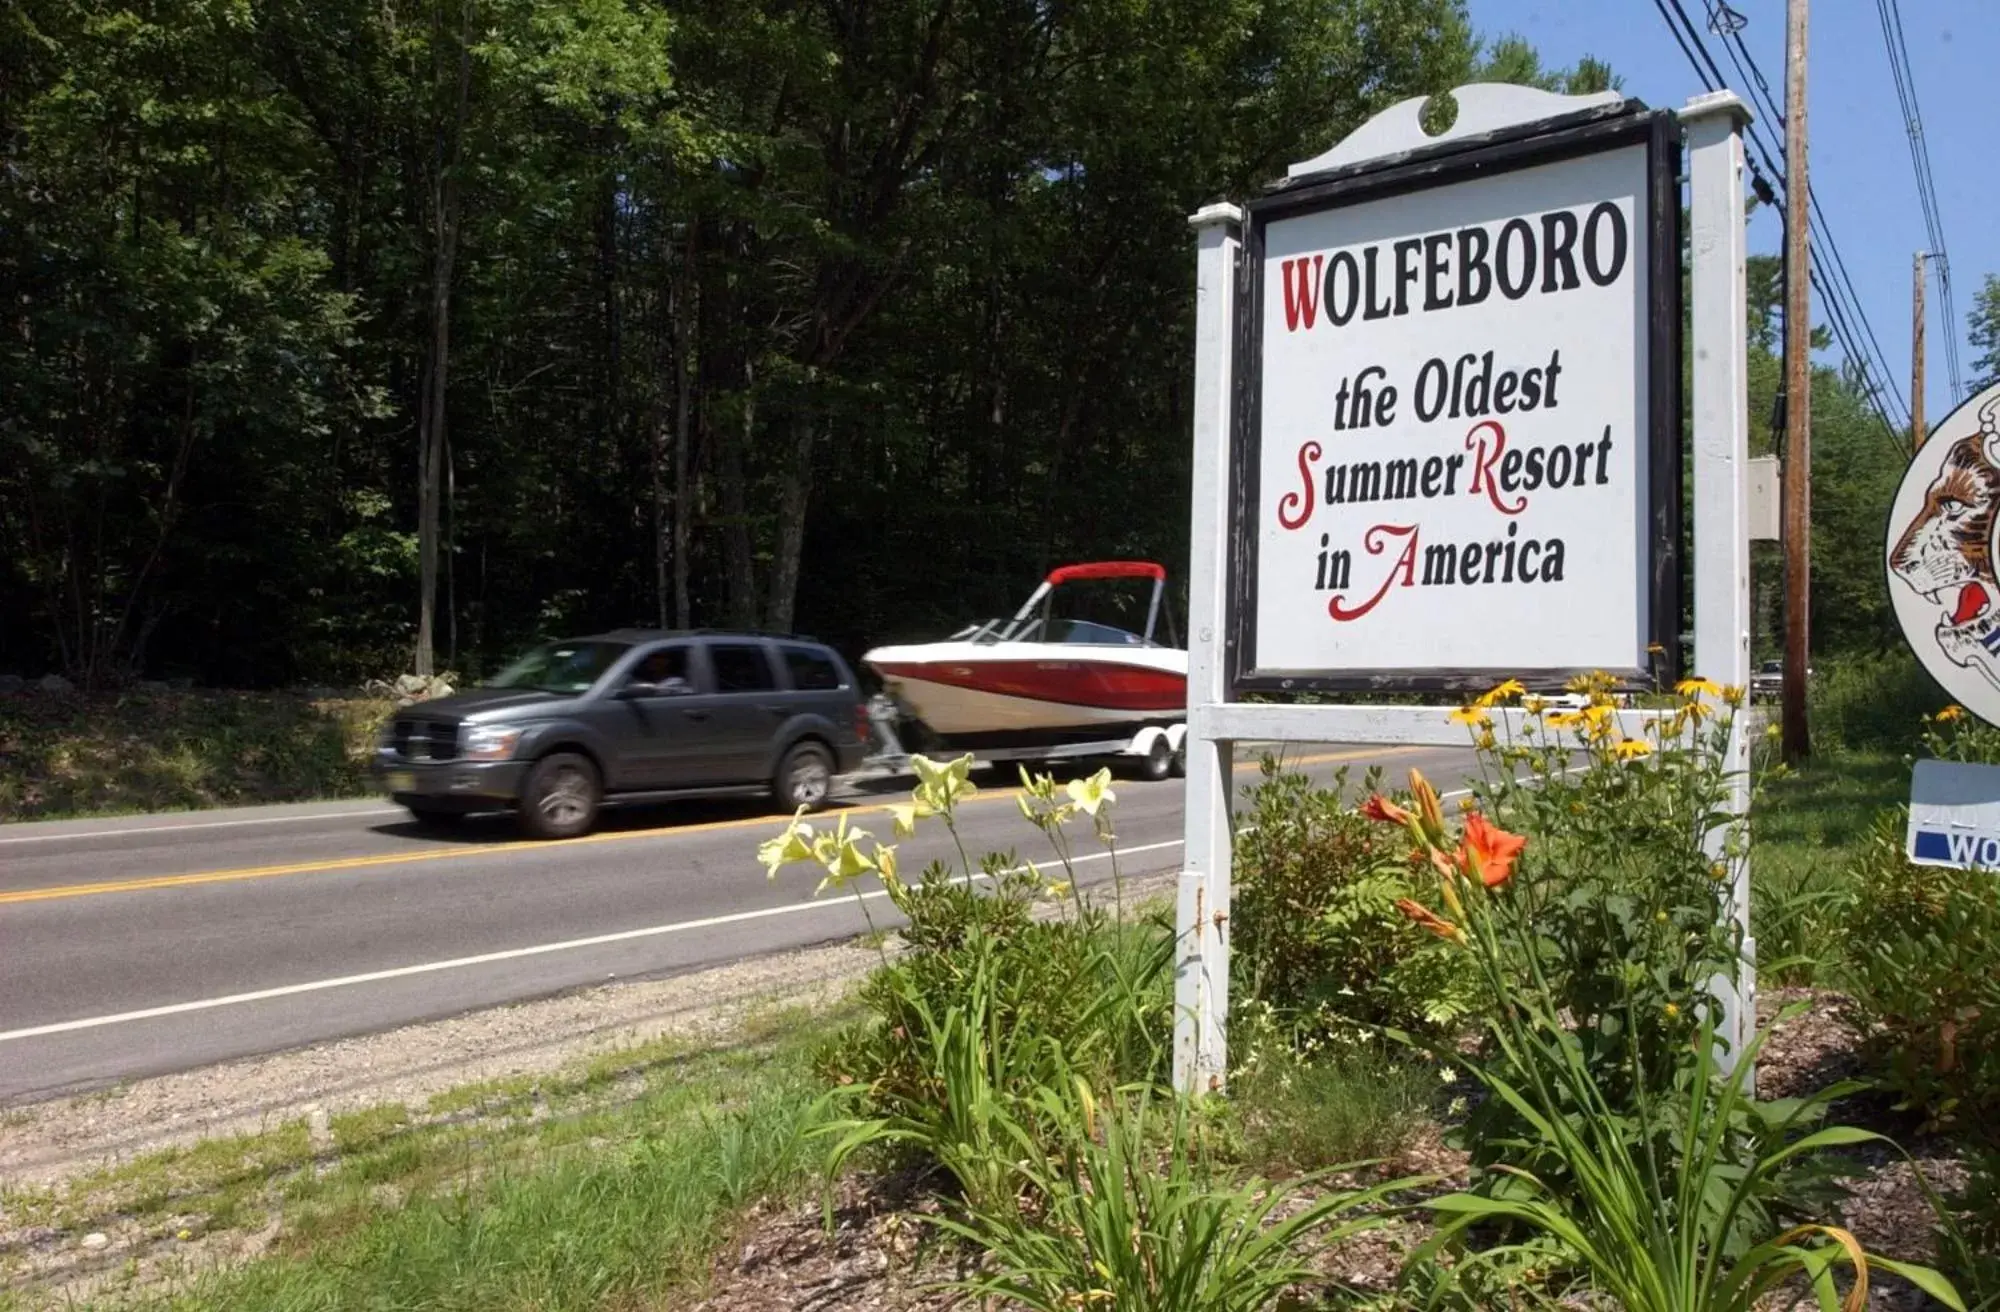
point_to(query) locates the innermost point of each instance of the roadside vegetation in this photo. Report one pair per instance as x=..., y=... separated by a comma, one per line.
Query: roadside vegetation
x=1470, y=1067
x=605, y=1185
x=69, y=754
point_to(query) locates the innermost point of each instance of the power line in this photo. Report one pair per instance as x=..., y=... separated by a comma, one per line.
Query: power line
x=1891, y=14
x=1827, y=267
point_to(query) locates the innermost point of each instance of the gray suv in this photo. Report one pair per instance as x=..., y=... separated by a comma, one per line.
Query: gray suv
x=626, y=715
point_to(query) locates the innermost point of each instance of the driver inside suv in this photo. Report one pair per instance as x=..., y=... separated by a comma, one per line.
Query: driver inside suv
x=666, y=670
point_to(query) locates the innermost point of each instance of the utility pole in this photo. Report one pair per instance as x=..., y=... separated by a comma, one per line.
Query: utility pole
x=1797, y=740
x=1917, y=431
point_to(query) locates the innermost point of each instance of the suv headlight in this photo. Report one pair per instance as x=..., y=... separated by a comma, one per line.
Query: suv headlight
x=488, y=742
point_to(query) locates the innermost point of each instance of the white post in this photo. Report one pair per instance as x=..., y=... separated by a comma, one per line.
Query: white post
x=1201, y=971
x=1720, y=405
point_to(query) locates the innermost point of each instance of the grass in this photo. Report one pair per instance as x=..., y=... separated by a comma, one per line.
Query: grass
x=1298, y=1116
x=74, y=755
x=1806, y=829
x=608, y=1184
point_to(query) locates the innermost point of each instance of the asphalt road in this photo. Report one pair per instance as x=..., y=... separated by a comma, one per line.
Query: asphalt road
x=143, y=945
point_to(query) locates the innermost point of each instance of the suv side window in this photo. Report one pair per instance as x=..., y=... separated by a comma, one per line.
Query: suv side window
x=812, y=670
x=740, y=668
x=665, y=666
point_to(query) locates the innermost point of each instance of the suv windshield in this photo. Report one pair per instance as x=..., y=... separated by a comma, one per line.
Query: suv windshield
x=563, y=667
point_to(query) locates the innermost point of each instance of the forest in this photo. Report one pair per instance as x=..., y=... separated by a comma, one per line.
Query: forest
x=345, y=339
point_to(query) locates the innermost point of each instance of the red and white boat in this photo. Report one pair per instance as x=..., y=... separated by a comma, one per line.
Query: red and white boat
x=1038, y=679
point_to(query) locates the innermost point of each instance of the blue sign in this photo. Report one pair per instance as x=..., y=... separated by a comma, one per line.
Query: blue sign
x=1955, y=815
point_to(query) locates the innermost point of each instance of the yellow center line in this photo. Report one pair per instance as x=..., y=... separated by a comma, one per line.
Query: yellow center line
x=238, y=874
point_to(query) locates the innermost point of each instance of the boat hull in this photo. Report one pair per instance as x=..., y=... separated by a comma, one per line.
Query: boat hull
x=966, y=691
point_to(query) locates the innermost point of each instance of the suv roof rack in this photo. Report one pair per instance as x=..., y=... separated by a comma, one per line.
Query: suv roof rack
x=646, y=631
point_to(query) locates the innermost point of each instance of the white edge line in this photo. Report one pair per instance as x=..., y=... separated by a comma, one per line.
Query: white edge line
x=488, y=958
x=508, y=954
x=79, y=835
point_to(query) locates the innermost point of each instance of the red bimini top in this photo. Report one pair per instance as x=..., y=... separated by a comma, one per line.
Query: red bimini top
x=1107, y=569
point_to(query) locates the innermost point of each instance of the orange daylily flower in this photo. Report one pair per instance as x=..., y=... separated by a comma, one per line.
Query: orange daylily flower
x=1489, y=851
x=1429, y=809
x=1381, y=808
x=1430, y=920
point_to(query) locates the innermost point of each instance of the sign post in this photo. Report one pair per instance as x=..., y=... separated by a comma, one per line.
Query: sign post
x=1442, y=446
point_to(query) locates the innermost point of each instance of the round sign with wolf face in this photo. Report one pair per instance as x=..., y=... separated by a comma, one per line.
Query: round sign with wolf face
x=1941, y=554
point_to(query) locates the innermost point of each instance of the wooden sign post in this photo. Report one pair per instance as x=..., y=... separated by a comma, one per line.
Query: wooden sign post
x=1438, y=444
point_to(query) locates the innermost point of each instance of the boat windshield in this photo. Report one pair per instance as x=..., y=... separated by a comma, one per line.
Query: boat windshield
x=1082, y=633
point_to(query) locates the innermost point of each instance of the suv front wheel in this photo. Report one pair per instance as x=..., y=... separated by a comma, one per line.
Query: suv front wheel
x=561, y=795
x=805, y=778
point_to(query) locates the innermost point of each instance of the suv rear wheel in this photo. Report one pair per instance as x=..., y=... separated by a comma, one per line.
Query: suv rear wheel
x=805, y=778
x=560, y=798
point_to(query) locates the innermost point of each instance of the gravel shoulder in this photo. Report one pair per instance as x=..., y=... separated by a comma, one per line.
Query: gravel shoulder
x=46, y=1143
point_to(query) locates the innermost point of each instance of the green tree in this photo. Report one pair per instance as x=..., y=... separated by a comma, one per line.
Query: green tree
x=1982, y=329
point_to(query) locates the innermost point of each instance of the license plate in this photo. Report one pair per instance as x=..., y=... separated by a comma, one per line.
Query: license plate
x=401, y=781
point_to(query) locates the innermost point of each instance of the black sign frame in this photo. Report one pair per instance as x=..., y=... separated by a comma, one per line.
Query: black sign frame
x=1580, y=135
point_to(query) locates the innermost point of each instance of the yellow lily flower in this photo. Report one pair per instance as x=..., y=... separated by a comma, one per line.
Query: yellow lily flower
x=942, y=787
x=1695, y=687
x=1041, y=786
x=1500, y=692
x=1631, y=749
x=795, y=844
x=1090, y=795
x=1473, y=715
x=905, y=815
x=842, y=856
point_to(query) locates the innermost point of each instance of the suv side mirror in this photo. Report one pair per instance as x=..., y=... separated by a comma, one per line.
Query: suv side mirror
x=638, y=688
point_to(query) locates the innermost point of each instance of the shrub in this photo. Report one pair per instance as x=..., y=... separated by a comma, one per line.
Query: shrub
x=1923, y=974
x=1632, y=910
x=1971, y=1244
x=990, y=1003
x=1668, y=1205
x=1869, y=700
x=1316, y=935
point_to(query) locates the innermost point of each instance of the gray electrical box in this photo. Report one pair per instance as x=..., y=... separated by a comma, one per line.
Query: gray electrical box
x=1764, y=495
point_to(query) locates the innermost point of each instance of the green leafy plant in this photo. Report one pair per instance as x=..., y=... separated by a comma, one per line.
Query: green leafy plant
x=1628, y=887
x=989, y=1003
x=1127, y=1210
x=1954, y=734
x=1317, y=936
x=1666, y=1205
x=1922, y=948
x=1970, y=1241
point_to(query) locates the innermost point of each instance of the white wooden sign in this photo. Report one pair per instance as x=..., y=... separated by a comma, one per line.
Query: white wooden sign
x=1460, y=458
x=1955, y=815
x=1260, y=614
x=1940, y=555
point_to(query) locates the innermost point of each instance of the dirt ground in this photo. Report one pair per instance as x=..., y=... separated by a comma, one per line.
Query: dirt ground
x=875, y=1260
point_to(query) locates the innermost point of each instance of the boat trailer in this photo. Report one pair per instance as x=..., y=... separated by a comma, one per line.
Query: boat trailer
x=1157, y=751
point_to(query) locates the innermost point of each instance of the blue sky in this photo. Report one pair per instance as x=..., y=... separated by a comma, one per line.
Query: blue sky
x=1859, y=156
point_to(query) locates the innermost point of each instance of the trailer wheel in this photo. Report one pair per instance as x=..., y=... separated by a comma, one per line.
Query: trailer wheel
x=1158, y=762
x=1180, y=760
